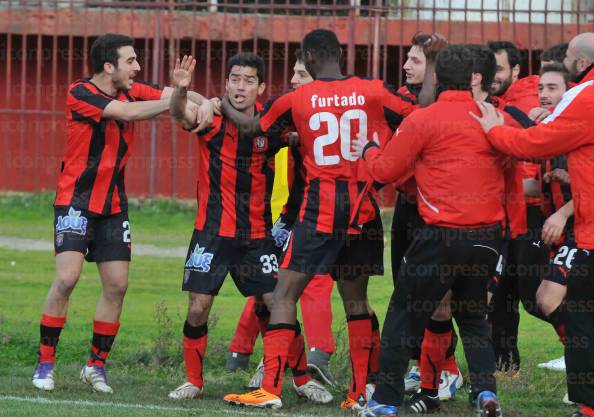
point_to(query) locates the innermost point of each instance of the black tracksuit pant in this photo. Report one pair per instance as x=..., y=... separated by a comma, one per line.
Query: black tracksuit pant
x=437, y=260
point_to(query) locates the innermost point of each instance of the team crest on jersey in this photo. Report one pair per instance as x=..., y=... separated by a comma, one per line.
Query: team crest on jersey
x=261, y=144
x=199, y=260
x=279, y=233
x=73, y=222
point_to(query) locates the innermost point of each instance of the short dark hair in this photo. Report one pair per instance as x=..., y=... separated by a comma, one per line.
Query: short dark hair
x=105, y=49
x=419, y=39
x=513, y=53
x=247, y=59
x=299, y=55
x=322, y=44
x=484, y=63
x=454, y=68
x=555, y=53
x=557, y=67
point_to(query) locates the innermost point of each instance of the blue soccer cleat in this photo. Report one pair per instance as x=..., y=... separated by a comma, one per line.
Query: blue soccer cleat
x=375, y=409
x=488, y=405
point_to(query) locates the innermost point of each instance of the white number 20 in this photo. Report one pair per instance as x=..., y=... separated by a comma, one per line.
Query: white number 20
x=336, y=129
x=126, y=226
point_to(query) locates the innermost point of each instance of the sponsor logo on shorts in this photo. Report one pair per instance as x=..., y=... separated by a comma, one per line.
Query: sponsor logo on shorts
x=73, y=222
x=199, y=260
x=279, y=233
x=186, y=276
x=59, y=239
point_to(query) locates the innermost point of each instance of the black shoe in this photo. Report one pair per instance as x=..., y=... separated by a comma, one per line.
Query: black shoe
x=420, y=403
x=237, y=361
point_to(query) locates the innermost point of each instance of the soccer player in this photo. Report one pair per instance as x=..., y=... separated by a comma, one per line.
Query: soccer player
x=91, y=210
x=567, y=131
x=326, y=114
x=232, y=232
x=526, y=255
x=458, y=248
x=315, y=301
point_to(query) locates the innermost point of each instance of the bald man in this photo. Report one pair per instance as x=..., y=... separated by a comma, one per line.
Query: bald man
x=579, y=59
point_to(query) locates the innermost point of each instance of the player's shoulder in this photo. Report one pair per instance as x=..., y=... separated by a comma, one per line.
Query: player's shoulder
x=83, y=85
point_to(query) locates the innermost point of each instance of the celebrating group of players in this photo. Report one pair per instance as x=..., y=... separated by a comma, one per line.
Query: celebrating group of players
x=483, y=162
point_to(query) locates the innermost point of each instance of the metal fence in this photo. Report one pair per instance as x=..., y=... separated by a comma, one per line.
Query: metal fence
x=44, y=46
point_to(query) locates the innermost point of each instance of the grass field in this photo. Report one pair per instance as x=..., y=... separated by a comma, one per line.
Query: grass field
x=146, y=361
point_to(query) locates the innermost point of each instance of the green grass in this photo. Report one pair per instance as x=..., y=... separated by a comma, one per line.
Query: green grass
x=146, y=361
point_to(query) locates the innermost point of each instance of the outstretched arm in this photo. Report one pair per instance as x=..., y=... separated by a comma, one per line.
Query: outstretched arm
x=248, y=126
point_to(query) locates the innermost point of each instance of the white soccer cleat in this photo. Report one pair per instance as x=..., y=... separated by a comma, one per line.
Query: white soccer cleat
x=369, y=390
x=412, y=380
x=95, y=376
x=567, y=401
x=43, y=378
x=449, y=385
x=256, y=381
x=314, y=392
x=554, y=365
x=186, y=391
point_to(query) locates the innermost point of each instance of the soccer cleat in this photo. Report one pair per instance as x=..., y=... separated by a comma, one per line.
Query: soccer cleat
x=186, y=391
x=256, y=381
x=318, y=368
x=423, y=404
x=449, y=385
x=412, y=380
x=374, y=409
x=554, y=365
x=578, y=414
x=237, y=361
x=95, y=376
x=259, y=398
x=566, y=400
x=43, y=378
x=354, y=406
x=488, y=405
x=314, y=392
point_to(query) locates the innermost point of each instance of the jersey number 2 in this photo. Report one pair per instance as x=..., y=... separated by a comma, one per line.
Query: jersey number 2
x=336, y=129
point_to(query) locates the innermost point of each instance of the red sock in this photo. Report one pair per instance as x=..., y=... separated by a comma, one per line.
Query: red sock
x=277, y=341
x=247, y=330
x=50, y=328
x=374, y=354
x=360, y=342
x=450, y=365
x=195, y=342
x=104, y=334
x=589, y=411
x=297, y=359
x=436, y=341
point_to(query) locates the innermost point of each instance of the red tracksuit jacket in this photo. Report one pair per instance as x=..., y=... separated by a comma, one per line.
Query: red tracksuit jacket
x=570, y=129
x=459, y=175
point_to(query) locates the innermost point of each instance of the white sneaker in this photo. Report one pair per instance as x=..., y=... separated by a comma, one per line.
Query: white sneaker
x=186, y=391
x=567, y=401
x=43, y=378
x=449, y=385
x=95, y=376
x=369, y=390
x=554, y=365
x=412, y=380
x=256, y=381
x=314, y=391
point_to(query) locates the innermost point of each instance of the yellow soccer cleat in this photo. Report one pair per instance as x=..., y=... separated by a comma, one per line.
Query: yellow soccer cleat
x=259, y=398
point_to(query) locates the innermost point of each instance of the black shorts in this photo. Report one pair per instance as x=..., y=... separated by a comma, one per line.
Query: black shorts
x=253, y=264
x=343, y=256
x=99, y=238
x=562, y=260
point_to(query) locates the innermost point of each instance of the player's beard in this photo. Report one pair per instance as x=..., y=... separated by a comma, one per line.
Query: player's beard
x=574, y=74
x=502, y=88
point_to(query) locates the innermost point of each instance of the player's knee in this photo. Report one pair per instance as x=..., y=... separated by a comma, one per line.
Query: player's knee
x=545, y=304
x=197, y=310
x=65, y=282
x=118, y=289
x=443, y=313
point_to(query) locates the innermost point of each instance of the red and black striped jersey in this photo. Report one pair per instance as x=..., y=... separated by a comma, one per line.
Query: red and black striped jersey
x=327, y=115
x=97, y=149
x=235, y=182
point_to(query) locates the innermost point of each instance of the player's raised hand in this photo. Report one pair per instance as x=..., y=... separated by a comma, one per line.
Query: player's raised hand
x=182, y=72
x=361, y=143
x=433, y=45
x=490, y=116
